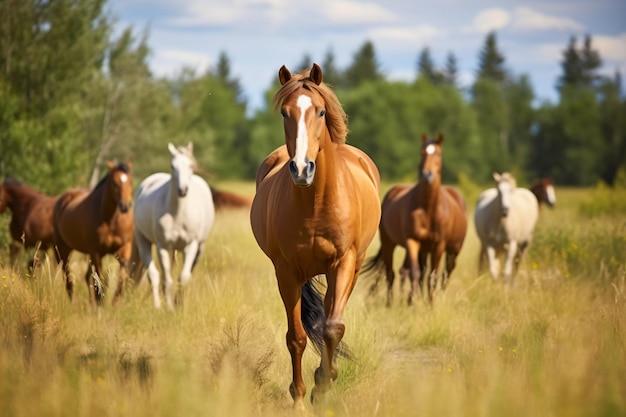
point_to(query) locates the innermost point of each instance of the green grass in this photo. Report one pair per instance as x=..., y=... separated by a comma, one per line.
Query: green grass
x=553, y=346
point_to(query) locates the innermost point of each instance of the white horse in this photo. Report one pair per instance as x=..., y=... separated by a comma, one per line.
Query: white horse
x=175, y=212
x=505, y=218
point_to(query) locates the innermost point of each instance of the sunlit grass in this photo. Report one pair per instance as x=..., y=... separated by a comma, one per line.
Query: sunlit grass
x=553, y=346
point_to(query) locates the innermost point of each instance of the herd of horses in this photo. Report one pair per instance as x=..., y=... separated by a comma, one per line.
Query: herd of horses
x=315, y=212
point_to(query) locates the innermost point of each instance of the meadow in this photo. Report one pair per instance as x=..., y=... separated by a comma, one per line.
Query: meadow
x=553, y=346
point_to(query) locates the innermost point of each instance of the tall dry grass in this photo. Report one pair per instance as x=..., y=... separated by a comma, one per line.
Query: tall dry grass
x=553, y=346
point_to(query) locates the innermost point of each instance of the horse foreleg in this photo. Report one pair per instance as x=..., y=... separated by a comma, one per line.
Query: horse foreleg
x=435, y=259
x=412, y=251
x=94, y=279
x=494, y=262
x=191, y=254
x=291, y=292
x=123, y=258
x=341, y=281
x=511, y=255
x=166, y=266
x=450, y=265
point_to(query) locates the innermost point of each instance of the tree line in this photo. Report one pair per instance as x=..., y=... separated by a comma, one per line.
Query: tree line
x=73, y=95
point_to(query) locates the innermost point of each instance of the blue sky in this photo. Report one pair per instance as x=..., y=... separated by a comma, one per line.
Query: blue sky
x=261, y=35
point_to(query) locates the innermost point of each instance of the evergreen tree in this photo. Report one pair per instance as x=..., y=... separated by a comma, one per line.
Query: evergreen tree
x=332, y=75
x=223, y=73
x=591, y=62
x=451, y=70
x=491, y=61
x=572, y=66
x=426, y=67
x=364, y=67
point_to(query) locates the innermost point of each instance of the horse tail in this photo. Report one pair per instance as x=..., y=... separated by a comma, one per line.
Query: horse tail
x=313, y=319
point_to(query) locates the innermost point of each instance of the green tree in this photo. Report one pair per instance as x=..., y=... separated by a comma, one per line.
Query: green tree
x=451, y=70
x=491, y=61
x=332, y=74
x=426, y=67
x=364, y=67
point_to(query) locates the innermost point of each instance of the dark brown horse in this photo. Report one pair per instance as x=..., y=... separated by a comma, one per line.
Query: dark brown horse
x=427, y=218
x=32, y=217
x=96, y=222
x=315, y=212
x=543, y=189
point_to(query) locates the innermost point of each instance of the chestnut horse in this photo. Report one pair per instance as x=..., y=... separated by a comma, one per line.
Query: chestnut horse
x=32, y=218
x=315, y=212
x=96, y=222
x=543, y=189
x=229, y=200
x=427, y=218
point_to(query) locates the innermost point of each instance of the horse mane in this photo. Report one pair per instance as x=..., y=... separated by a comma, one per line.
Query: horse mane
x=508, y=177
x=121, y=167
x=336, y=118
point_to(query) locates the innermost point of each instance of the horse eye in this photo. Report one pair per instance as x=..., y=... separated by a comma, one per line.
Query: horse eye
x=283, y=112
x=322, y=113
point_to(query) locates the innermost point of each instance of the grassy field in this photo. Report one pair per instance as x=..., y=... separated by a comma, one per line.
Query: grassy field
x=553, y=346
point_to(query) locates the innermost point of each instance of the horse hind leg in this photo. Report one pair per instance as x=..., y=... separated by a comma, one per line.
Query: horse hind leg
x=450, y=265
x=168, y=282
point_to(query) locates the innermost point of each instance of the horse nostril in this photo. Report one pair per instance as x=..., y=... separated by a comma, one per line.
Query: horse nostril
x=310, y=168
x=293, y=167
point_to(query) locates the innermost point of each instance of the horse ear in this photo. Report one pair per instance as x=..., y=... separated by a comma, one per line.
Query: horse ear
x=190, y=147
x=110, y=165
x=172, y=149
x=284, y=75
x=316, y=74
x=439, y=138
x=497, y=176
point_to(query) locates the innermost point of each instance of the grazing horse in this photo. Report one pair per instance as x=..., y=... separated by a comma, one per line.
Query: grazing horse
x=505, y=218
x=174, y=212
x=96, y=222
x=543, y=189
x=315, y=212
x=426, y=219
x=32, y=217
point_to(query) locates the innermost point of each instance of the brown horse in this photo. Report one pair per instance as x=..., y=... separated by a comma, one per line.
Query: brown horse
x=315, y=212
x=96, y=222
x=227, y=200
x=543, y=189
x=32, y=218
x=426, y=219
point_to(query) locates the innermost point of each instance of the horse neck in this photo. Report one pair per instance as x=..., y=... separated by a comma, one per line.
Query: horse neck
x=428, y=195
x=105, y=201
x=19, y=196
x=174, y=200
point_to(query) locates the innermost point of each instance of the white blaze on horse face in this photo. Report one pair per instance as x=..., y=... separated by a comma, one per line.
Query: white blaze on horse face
x=551, y=194
x=430, y=149
x=302, y=138
x=123, y=178
x=504, y=189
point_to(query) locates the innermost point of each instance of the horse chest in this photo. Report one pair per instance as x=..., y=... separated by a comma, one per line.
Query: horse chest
x=175, y=232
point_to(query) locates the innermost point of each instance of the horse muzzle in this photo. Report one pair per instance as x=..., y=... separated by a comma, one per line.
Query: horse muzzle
x=302, y=178
x=429, y=176
x=124, y=206
x=182, y=192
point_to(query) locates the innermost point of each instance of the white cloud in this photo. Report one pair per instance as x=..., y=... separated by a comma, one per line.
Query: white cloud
x=168, y=62
x=611, y=48
x=411, y=35
x=525, y=18
x=354, y=12
x=489, y=20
